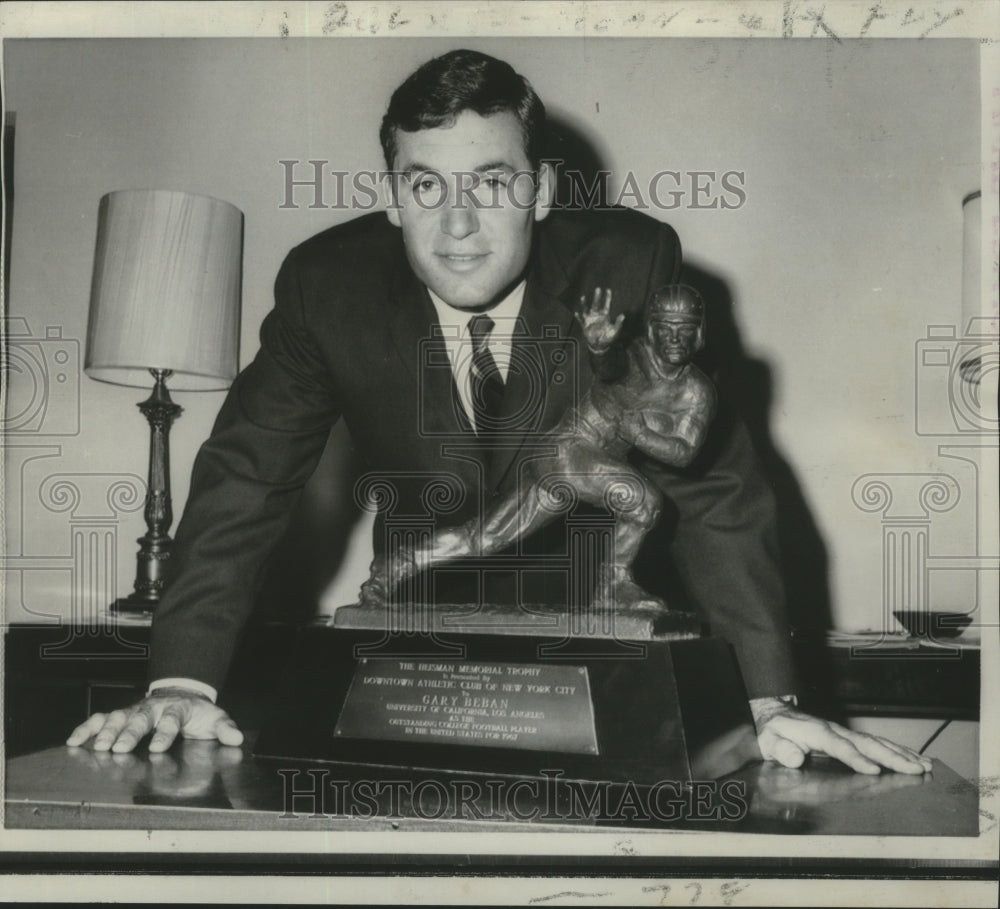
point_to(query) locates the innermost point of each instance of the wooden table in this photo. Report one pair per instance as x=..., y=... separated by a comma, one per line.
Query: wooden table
x=204, y=786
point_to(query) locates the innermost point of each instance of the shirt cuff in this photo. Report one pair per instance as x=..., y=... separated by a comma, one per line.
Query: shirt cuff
x=192, y=684
x=764, y=708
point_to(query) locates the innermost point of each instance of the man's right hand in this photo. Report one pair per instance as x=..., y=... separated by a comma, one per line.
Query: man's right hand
x=165, y=713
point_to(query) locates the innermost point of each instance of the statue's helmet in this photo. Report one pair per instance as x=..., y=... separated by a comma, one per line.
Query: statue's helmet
x=677, y=303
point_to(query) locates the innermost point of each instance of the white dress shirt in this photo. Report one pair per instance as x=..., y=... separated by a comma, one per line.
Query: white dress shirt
x=458, y=341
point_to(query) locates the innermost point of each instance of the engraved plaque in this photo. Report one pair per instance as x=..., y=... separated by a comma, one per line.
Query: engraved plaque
x=677, y=712
x=536, y=707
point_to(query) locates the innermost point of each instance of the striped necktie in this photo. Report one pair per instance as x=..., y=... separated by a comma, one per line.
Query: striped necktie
x=486, y=384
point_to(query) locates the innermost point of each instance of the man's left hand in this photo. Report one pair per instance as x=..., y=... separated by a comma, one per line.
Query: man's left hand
x=788, y=735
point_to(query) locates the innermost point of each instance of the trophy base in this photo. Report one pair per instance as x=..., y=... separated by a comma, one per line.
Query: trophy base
x=514, y=705
x=546, y=621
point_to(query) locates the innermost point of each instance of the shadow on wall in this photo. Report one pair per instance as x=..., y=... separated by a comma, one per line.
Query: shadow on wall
x=581, y=175
x=747, y=384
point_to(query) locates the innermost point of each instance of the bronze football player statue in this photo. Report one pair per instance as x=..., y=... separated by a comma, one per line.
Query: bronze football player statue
x=652, y=399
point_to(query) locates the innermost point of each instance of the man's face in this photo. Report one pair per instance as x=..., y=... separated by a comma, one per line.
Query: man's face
x=674, y=338
x=466, y=201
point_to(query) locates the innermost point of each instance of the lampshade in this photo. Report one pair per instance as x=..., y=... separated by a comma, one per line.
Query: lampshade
x=166, y=290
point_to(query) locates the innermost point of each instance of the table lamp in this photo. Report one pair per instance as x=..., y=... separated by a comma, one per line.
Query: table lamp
x=164, y=302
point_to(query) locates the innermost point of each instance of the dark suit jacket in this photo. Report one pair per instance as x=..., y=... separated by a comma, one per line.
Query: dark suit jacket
x=352, y=335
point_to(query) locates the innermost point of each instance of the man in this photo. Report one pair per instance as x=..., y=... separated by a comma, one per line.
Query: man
x=469, y=229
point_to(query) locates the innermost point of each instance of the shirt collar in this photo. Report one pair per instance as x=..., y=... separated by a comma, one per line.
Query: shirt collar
x=503, y=314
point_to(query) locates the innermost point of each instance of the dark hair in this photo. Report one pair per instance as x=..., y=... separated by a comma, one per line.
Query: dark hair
x=462, y=80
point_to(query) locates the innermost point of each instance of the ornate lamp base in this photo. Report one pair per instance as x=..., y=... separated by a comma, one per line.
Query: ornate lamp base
x=134, y=604
x=154, y=546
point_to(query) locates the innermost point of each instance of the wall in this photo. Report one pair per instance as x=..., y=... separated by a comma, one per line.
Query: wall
x=855, y=156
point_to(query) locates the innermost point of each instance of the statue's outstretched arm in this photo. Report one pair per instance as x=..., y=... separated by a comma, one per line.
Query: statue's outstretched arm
x=602, y=334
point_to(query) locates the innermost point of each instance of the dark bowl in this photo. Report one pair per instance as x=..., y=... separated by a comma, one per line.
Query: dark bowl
x=934, y=625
